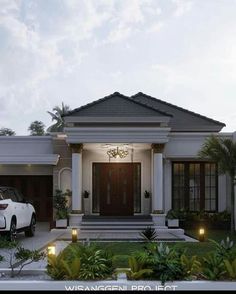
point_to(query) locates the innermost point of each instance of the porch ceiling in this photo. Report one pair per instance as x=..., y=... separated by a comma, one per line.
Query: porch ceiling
x=105, y=146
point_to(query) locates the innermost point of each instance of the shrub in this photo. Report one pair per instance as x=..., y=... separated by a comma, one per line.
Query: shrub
x=136, y=269
x=213, y=267
x=80, y=262
x=18, y=257
x=164, y=262
x=224, y=249
x=191, y=266
x=230, y=269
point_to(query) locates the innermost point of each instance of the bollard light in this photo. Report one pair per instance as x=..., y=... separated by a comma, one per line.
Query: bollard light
x=201, y=237
x=51, y=250
x=74, y=234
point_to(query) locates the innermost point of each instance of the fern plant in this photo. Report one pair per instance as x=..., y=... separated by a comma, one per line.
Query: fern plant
x=149, y=234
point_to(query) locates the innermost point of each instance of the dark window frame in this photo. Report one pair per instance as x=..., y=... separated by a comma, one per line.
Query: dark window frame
x=202, y=184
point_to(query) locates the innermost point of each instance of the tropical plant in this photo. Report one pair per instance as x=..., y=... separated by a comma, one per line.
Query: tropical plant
x=56, y=266
x=149, y=234
x=213, y=267
x=136, y=270
x=163, y=261
x=60, y=204
x=80, y=262
x=95, y=263
x=191, y=266
x=7, y=132
x=36, y=128
x=230, y=268
x=58, y=116
x=223, y=152
x=224, y=249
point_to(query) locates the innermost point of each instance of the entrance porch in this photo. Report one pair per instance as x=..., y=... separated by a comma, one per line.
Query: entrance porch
x=105, y=185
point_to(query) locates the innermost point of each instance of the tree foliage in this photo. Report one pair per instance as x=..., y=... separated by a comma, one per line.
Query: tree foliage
x=7, y=132
x=58, y=116
x=36, y=128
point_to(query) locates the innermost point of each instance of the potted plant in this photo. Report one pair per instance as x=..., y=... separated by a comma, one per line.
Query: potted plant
x=61, y=209
x=172, y=219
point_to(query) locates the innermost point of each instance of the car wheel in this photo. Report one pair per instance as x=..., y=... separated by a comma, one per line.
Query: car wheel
x=12, y=232
x=31, y=230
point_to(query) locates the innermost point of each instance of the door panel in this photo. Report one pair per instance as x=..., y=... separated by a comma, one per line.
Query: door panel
x=37, y=189
x=116, y=189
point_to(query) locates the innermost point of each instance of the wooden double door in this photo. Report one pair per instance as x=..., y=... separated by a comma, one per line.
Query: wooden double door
x=116, y=189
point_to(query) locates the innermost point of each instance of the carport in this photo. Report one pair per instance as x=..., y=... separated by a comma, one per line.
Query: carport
x=26, y=163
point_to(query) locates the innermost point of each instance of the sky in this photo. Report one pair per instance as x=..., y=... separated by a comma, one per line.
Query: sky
x=76, y=51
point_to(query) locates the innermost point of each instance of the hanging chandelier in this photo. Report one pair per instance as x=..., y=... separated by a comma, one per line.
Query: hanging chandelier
x=117, y=152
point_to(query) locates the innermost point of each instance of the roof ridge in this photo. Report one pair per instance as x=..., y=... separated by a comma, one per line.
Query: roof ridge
x=178, y=107
x=121, y=96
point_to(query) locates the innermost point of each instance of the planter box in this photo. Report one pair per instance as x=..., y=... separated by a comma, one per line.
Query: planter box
x=61, y=223
x=159, y=220
x=173, y=223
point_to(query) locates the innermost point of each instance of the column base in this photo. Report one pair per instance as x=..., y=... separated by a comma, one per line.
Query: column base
x=159, y=220
x=75, y=219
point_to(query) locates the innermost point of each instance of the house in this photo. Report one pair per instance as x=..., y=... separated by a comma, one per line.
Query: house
x=116, y=148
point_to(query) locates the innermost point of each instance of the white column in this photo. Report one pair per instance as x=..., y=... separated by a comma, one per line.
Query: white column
x=157, y=199
x=158, y=216
x=76, y=182
x=76, y=214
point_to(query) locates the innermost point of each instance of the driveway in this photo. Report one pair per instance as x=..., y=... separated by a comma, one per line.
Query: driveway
x=42, y=237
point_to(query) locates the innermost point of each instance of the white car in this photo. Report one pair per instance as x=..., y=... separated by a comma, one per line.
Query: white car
x=16, y=214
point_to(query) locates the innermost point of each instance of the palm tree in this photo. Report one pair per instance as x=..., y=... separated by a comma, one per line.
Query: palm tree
x=58, y=116
x=222, y=151
x=36, y=128
x=7, y=132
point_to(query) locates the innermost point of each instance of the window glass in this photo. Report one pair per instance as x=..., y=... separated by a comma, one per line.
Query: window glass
x=194, y=186
x=178, y=186
x=11, y=195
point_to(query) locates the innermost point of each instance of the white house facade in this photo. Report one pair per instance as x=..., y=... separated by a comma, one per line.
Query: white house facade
x=120, y=156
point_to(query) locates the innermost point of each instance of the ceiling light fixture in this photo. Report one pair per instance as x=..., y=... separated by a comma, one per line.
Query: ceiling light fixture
x=117, y=152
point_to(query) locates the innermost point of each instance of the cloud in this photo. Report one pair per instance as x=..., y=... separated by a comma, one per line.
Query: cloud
x=156, y=27
x=182, y=7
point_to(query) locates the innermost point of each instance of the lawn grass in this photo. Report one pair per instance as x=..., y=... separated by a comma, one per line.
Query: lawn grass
x=122, y=250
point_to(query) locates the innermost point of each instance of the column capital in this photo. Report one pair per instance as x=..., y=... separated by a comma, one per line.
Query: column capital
x=158, y=148
x=76, y=148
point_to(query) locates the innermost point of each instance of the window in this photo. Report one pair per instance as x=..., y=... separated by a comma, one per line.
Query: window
x=210, y=187
x=178, y=186
x=194, y=186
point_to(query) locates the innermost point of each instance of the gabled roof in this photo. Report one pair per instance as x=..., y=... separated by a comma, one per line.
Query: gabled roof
x=143, y=107
x=183, y=119
x=117, y=105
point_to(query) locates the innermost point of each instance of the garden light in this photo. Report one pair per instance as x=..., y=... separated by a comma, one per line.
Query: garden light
x=201, y=235
x=51, y=250
x=74, y=235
